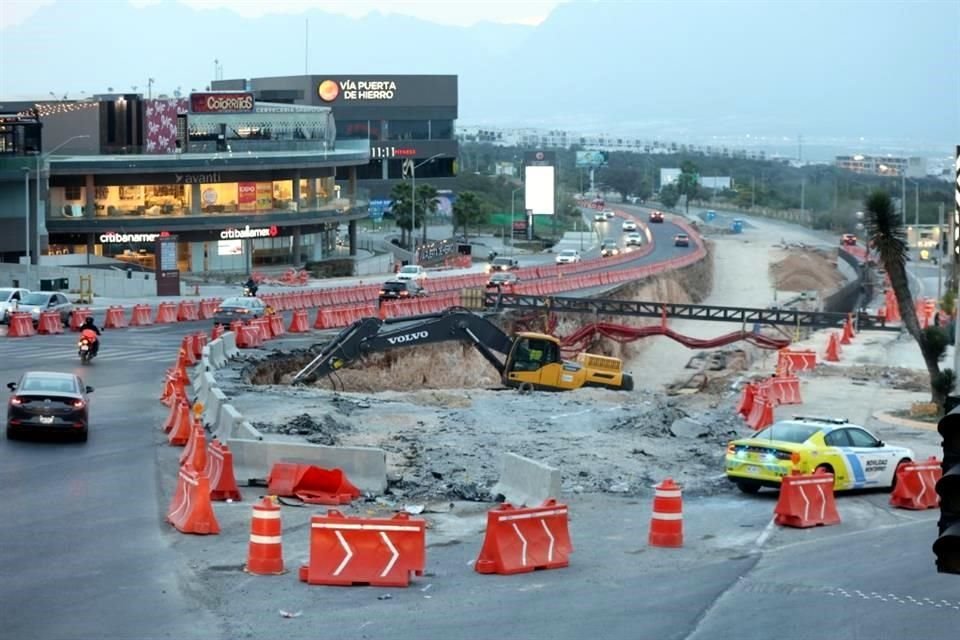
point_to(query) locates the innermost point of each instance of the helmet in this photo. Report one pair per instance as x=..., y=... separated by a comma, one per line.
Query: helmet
x=88, y=320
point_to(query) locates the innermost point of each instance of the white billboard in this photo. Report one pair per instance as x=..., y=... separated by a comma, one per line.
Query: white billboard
x=229, y=247
x=538, y=190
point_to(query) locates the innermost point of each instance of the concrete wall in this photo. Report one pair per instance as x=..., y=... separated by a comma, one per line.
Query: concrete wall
x=105, y=283
x=376, y=265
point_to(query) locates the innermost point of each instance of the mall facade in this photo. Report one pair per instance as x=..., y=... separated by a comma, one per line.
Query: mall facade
x=240, y=182
x=408, y=120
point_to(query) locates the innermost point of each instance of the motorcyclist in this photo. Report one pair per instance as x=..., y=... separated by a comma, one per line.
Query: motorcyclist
x=91, y=332
x=250, y=287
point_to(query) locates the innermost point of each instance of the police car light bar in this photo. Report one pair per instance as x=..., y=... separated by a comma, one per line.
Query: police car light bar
x=822, y=419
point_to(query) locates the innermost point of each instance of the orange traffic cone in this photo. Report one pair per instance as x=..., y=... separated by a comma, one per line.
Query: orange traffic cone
x=666, y=521
x=265, y=554
x=833, y=349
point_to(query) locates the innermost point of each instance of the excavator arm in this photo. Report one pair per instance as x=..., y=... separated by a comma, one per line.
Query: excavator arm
x=371, y=335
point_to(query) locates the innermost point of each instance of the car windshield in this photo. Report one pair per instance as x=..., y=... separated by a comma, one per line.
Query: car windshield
x=410, y=269
x=394, y=286
x=787, y=432
x=59, y=384
x=568, y=253
x=506, y=261
x=499, y=277
x=241, y=302
x=35, y=298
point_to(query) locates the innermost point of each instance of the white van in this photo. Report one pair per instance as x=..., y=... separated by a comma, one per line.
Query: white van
x=411, y=272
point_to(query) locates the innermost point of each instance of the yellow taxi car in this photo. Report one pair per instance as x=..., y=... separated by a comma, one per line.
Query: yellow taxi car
x=856, y=458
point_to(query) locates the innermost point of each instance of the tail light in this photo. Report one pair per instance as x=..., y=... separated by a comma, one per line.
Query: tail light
x=382, y=291
x=243, y=310
x=731, y=449
x=79, y=404
x=218, y=310
x=404, y=293
x=16, y=401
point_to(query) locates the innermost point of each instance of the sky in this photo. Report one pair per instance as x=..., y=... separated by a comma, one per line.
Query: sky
x=453, y=12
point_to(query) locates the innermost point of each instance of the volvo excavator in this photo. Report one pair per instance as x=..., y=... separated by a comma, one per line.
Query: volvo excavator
x=527, y=361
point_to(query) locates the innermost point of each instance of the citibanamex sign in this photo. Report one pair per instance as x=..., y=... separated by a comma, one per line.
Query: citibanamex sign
x=111, y=237
x=221, y=102
x=256, y=232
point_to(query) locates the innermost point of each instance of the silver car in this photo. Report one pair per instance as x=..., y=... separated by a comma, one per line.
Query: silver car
x=10, y=298
x=37, y=301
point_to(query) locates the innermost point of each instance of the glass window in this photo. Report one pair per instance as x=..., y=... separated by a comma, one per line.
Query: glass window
x=73, y=193
x=837, y=438
x=860, y=438
x=441, y=129
x=786, y=432
x=354, y=130
x=408, y=130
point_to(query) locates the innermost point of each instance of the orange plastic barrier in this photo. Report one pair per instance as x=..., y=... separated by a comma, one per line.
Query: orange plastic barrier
x=523, y=540
x=115, y=318
x=179, y=410
x=174, y=386
x=206, y=309
x=381, y=552
x=806, y=501
x=187, y=311
x=50, y=322
x=916, y=485
x=276, y=325
x=263, y=325
x=191, y=510
x=792, y=361
x=141, y=316
x=249, y=337
x=218, y=330
x=833, y=348
x=325, y=319
x=300, y=322
x=785, y=389
x=223, y=484
x=265, y=553
x=197, y=342
x=21, y=325
x=183, y=428
x=194, y=455
x=761, y=413
x=166, y=313
x=666, y=521
x=311, y=484
x=745, y=406
x=186, y=352
x=847, y=332
x=77, y=317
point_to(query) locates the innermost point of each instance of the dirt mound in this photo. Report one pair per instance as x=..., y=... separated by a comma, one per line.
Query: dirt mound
x=807, y=270
x=325, y=430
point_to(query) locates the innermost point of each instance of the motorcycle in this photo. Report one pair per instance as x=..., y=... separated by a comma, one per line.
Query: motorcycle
x=249, y=292
x=85, y=350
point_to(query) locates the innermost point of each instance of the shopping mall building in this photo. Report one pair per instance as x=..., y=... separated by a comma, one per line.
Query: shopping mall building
x=242, y=177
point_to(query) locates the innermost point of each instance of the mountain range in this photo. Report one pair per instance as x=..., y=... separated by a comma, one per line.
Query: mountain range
x=880, y=71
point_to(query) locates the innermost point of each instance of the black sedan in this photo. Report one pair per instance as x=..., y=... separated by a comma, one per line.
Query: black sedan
x=243, y=309
x=48, y=402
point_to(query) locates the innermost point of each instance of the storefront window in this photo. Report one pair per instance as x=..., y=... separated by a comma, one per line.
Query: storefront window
x=408, y=130
x=441, y=129
x=354, y=130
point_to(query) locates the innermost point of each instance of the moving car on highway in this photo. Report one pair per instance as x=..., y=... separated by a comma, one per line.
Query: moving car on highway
x=503, y=280
x=656, y=216
x=568, y=256
x=607, y=214
x=35, y=302
x=856, y=458
x=48, y=402
x=502, y=264
x=399, y=289
x=10, y=298
x=600, y=216
x=629, y=225
x=609, y=248
x=681, y=240
x=634, y=239
x=243, y=309
x=411, y=272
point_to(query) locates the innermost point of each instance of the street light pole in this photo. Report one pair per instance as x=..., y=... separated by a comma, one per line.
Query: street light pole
x=413, y=204
x=512, y=209
x=41, y=159
x=26, y=224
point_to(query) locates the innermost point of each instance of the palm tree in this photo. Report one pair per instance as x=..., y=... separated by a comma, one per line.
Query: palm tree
x=467, y=209
x=426, y=205
x=886, y=235
x=402, y=208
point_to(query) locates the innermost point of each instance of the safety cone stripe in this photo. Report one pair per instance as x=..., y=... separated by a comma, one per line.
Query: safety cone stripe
x=529, y=516
x=258, y=539
x=346, y=548
x=827, y=480
x=663, y=493
x=364, y=527
x=667, y=516
x=523, y=541
x=549, y=535
x=393, y=551
x=266, y=515
x=924, y=467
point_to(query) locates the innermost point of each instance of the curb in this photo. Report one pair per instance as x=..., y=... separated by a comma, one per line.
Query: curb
x=904, y=422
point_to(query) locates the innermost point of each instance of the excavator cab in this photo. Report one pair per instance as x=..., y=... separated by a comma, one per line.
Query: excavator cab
x=535, y=362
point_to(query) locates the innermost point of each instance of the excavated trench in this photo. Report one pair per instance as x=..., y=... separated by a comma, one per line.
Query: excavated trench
x=459, y=366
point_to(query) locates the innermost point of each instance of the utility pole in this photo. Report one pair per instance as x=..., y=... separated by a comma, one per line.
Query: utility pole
x=753, y=191
x=803, y=194
x=942, y=258
x=903, y=197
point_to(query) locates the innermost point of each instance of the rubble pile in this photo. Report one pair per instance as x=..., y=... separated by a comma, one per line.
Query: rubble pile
x=322, y=429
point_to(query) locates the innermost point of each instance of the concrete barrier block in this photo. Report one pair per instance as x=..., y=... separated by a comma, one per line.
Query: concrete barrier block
x=217, y=357
x=230, y=350
x=526, y=482
x=366, y=467
x=211, y=410
x=228, y=421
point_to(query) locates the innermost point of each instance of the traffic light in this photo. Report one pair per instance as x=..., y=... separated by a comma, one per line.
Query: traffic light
x=947, y=545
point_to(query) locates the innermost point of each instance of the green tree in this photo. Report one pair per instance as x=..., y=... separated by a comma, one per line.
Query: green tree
x=468, y=208
x=885, y=232
x=623, y=181
x=688, y=182
x=669, y=196
x=402, y=208
x=426, y=206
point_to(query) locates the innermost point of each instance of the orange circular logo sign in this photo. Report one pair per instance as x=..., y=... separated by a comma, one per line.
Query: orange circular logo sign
x=328, y=90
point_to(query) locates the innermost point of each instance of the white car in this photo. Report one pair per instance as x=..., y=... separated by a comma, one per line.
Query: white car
x=411, y=272
x=600, y=216
x=607, y=214
x=634, y=239
x=568, y=256
x=629, y=225
x=9, y=300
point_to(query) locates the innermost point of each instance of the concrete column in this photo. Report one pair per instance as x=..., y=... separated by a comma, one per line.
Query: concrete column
x=195, y=199
x=312, y=193
x=90, y=196
x=296, y=246
x=296, y=189
x=353, y=188
x=91, y=241
x=352, y=232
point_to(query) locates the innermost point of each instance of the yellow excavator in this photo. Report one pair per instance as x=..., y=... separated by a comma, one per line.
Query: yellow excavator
x=532, y=360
